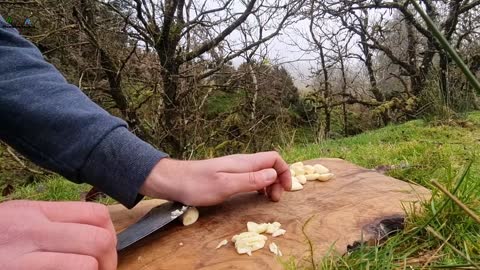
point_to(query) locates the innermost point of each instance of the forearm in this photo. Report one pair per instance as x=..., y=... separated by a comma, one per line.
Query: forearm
x=55, y=125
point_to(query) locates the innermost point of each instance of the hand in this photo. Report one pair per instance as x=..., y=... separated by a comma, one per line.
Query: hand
x=56, y=236
x=211, y=181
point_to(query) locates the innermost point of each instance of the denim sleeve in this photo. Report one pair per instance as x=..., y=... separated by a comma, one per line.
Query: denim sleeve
x=58, y=127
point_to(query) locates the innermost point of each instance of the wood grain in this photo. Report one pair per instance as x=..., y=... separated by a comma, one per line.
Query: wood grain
x=341, y=210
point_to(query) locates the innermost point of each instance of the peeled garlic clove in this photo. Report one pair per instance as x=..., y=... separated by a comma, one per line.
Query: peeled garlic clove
x=190, y=216
x=296, y=185
x=320, y=169
x=278, y=232
x=299, y=170
x=301, y=179
x=325, y=177
x=309, y=169
x=292, y=172
x=311, y=177
x=222, y=243
x=297, y=164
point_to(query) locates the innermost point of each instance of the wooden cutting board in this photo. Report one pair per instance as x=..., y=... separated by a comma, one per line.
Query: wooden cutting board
x=341, y=210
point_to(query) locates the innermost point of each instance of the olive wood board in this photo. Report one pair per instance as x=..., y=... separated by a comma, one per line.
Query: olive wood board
x=342, y=211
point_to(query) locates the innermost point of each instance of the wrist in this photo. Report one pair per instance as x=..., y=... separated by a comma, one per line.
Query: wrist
x=164, y=181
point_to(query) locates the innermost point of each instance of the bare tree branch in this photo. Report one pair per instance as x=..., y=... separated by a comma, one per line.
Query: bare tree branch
x=212, y=43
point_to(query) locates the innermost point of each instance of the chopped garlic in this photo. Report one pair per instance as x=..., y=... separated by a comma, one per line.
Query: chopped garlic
x=274, y=249
x=258, y=228
x=278, y=232
x=176, y=213
x=244, y=235
x=247, y=242
x=252, y=226
x=222, y=243
x=272, y=227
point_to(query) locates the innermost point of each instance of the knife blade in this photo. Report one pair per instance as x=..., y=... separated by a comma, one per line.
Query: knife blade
x=154, y=220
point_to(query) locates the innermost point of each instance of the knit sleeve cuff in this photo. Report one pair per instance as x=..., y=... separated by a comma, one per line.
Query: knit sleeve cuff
x=120, y=164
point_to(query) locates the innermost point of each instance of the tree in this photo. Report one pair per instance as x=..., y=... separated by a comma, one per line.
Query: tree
x=183, y=34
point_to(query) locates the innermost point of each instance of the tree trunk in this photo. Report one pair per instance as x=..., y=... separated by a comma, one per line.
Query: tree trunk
x=328, y=121
x=326, y=93
x=255, y=91
x=344, y=91
x=166, y=44
x=371, y=75
x=172, y=113
x=112, y=71
x=444, y=78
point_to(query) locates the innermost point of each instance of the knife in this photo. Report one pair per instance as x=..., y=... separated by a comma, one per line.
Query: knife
x=154, y=220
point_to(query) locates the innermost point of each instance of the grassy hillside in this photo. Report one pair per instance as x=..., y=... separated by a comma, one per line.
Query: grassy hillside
x=416, y=152
x=423, y=151
x=444, y=236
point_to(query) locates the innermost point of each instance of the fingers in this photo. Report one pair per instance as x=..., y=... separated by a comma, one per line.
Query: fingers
x=275, y=192
x=55, y=261
x=250, y=181
x=78, y=239
x=73, y=212
x=256, y=162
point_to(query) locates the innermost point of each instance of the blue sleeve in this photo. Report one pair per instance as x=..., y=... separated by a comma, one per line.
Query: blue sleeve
x=58, y=127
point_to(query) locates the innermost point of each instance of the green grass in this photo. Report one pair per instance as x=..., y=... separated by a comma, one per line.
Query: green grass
x=424, y=152
x=53, y=188
x=221, y=102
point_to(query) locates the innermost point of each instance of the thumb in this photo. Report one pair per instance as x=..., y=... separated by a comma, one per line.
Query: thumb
x=251, y=181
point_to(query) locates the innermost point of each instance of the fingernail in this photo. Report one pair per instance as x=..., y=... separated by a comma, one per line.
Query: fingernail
x=270, y=175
